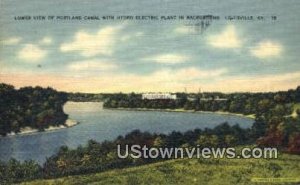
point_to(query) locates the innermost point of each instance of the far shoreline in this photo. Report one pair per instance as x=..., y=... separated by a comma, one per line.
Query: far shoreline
x=250, y=116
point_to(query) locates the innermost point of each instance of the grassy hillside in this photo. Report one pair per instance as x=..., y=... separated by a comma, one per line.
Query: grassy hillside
x=194, y=171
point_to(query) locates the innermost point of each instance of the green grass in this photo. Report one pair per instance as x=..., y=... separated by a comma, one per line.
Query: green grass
x=193, y=171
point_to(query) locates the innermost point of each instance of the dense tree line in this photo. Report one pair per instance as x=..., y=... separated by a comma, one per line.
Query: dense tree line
x=86, y=97
x=244, y=103
x=36, y=108
x=98, y=157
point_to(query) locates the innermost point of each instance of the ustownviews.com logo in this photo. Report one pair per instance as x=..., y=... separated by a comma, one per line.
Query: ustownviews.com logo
x=138, y=151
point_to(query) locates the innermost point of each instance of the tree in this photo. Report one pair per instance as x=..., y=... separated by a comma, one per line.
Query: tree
x=158, y=142
x=230, y=140
x=258, y=128
x=294, y=143
x=208, y=141
x=30, y=107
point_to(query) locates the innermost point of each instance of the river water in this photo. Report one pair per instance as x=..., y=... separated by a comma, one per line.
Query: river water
x=101, y=124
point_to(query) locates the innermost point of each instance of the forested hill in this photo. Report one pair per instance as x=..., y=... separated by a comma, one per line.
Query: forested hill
x=33, y=107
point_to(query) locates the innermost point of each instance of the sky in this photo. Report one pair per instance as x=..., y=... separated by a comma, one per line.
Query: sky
x=97, y=56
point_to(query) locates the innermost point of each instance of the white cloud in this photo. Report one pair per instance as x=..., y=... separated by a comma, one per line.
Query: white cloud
x=125, y=38
x=12, y=41
x=267, y=49
x=31, y=53
x=168, y=58
x=139, y=34
x=184, y=74
x=194, y=73
x=228, y=38
x=184, y=30
x=46, y=41
x=161, y=80
x=164, y=80
x=259, y=83
x=89, y=44
x=92, y=65
x=128, y=37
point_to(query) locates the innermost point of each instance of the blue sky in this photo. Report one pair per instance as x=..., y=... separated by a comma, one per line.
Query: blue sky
x=114, y=55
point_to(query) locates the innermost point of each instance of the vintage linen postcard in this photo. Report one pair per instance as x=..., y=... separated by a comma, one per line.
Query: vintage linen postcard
x=149, y=92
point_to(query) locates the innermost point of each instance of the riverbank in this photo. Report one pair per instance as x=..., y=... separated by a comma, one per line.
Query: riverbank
x=251, y=116
x=27, y=130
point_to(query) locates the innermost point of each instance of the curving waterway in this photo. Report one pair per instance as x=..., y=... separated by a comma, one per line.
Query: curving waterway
x=101, y=124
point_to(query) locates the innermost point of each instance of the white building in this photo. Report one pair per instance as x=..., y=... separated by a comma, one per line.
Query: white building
x=155, y=96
